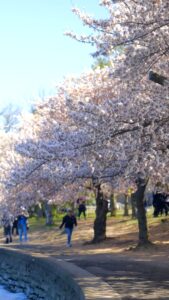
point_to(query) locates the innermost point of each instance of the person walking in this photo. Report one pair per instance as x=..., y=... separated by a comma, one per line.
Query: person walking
x=7, y=222
x=15, y=227
x=69, y=221
x=22, y=225
x=82, y=210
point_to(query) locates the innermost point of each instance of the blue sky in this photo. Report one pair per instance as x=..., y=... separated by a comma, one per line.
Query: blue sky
x=34, y=52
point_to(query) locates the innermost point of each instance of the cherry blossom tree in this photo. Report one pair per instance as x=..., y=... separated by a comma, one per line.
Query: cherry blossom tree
x=141, y=28
x=77, y=140
x=109, y=123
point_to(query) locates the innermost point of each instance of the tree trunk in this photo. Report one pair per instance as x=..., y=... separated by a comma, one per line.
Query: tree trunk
x=101, y=216
x=126, y=206
x=48, y=213
x=39, y=210
x=133, y=206
x=141, y=213
x=113, y=207
x=72, y=204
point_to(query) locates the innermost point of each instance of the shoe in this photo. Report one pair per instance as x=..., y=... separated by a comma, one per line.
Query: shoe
x=68, y=245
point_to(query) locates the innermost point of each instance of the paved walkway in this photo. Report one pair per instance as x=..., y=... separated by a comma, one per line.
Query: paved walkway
x=106, y=271
x=110, y=276
x=130, y=278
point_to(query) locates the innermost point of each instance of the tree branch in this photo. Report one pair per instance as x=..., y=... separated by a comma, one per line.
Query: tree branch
x=157, y=78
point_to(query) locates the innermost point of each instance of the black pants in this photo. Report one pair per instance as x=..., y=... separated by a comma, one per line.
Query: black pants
x=8, y=233
x=82, y=212
x=15, y=230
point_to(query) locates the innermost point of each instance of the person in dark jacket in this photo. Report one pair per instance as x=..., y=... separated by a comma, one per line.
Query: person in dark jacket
x=160, y=204
x=82, y=210
x=69, y=221
x=15, y=227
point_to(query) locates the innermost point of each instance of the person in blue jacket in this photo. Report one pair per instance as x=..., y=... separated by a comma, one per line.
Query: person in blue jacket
x=69, y=221
x=22, y=225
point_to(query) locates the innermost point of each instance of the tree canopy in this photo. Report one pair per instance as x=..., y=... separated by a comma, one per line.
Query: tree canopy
x=109, y=124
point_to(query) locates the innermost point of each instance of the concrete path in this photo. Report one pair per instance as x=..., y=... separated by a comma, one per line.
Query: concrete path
x=112, y=276
x=130, y=278
x=93, y=287
x=101, y=273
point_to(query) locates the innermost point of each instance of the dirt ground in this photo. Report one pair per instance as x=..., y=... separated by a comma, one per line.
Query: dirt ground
x=122, y=238
x=134, y=274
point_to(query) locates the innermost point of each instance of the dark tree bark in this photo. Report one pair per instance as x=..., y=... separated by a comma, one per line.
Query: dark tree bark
x=113, y=207
x=73, y=205
x=133, y=206
x=126, y=205
x=157, y=78
x=101, y=216
x=141, y=212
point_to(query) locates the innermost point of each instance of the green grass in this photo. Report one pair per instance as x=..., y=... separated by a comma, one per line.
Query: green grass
x=40, y=223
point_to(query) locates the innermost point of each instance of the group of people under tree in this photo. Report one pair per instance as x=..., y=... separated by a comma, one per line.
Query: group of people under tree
x=19, y=225
x=15, y=225
x=160, y=203
x=159, y=199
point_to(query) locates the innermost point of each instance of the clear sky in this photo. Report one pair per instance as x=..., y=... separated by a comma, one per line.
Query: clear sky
x=34, y=53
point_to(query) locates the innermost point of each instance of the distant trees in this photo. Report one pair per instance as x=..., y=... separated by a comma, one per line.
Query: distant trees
x=9, y=116
x=101, y=62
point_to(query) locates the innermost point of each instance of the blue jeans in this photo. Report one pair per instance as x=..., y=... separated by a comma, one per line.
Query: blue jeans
x=69, y=235
x=22, y=230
